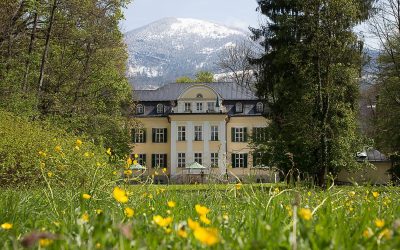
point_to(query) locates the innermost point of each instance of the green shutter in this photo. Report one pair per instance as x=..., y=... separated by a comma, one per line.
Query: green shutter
x=153, y=135
x=233, y=134
x=165, y=135
x=245, y=134
x=144, y=159
x=254, y=159
x=245, y=157
x=133, y=135
x=153, y=160
x=233, y=159
x=165, y=161
x=144, y=135
x=254, y=134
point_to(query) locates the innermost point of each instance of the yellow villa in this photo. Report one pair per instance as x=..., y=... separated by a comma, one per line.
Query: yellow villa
x=207, y=123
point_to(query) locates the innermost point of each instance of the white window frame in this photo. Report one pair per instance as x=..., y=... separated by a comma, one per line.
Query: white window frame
x=260, y=134
x=214, y=160
x=140, y=109
x=139, y=135
x=160, y=108
x=198, y=157
x=239, y=107
x=181, y=160
x=159, y=160
x=210, y=106
x=199, y=106
x=188, y=106
x=239, y=135
x=159, y=135
x=239, y=160
x=214, y=133
x=198, y=133
x=181, y=133
x=141, y=159
x=259, y=107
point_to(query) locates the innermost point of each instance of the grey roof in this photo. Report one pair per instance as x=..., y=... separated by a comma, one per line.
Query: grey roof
x=373, y=155
x=171, y=91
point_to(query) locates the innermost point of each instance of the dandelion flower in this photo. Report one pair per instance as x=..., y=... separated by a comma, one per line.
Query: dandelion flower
x=352, y=193
x=205, y=220
x=58, y=149
x=162, y=222
x=164, y=170
x=136, y=156
x=108, y=151
x=379, y=223
x=375, y=194
x=129, y=212
x=45, y=242
x=42, y=154
x=86, y=154
x=305, y=213
x=193, y=224
x=129, y=161
x=202, y=210
x=6, y=226
x=86, y=196
x=85, y=217
x=120, y=195
x=182, y=233
x=50, y=174
x=171, y=204
x=207, y=236
x=99, y=211
x=135, y=162
x=238, y=186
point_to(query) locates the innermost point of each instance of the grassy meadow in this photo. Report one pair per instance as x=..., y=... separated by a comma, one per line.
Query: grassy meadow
x=232, y=216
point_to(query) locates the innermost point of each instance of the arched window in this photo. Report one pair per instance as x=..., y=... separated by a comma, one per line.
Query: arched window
x=160, y=108
x=199, y=96
x=139, y=109
x=259, y=107
x=239, y=107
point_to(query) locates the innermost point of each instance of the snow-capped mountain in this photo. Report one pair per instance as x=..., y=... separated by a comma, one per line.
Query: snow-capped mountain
x=169, y=48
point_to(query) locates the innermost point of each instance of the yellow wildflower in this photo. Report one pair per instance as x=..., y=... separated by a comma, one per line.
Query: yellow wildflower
x=120, y=195
x=42, y=154
x=135, y=162
x=305, y=213
x=42, y=165
x=167, y=230
x=86, y=196
x=77, y=148
x=386, y=233
x=99, y=211
x=352, y=193
x=129, y=161
x=150, y=196
x=129, y=212
x=45, y=242
x=202, y=210
x=367, y=233
x=6, y=226
x=205, y=220
x=58, y=149
x=108, y=151
x=98, y=245
x=171, y=204
x=136, y=156
x=182, y=233
x=207, y=236
x=238, y=186
x=164, y=170
x=379, y=223
x=86, y=154
x=128, y=172
x=50, y=174
x=309, y=193
x=193, y=224
x=78, y=143
x=375, y=194
x=85, y=217
x=162, y=222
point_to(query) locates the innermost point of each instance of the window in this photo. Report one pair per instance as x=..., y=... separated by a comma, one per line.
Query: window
x=159, y=135
x=198, y=133
x=239, y=107
x=214, y=160
x=199, y=96
x=198, y=157
x=188, y=107
x=257, y=159
x=239, y=160
x=199, y=106
x=160, y=108
x=259, y=107
x=210, y=106
x=181, y=133
x=159, y=160
x=139, y=109
x=138, y=135
x=181, y=160
x=214, y=133
x=239, y=134
x=259, y=134
x=140, y=160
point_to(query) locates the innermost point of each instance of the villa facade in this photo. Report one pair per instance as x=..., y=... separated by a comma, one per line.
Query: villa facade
x=207, y=123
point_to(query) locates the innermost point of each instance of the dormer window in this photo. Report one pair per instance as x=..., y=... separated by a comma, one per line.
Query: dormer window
x=199, y=106
x=160, y=108
x=259, y=107
x=188, y=107
x=139, y=109
x=199, y=96
x=239, y=107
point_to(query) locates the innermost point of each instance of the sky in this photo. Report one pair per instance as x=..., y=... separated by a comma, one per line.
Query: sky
x=234, y=13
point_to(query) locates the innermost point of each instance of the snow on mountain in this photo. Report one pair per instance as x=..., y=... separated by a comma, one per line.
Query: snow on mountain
x=169, y=48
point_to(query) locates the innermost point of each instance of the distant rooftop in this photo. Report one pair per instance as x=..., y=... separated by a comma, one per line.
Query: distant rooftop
x=171, y=91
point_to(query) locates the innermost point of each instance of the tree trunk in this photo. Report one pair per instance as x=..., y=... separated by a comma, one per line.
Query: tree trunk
x=31, y=45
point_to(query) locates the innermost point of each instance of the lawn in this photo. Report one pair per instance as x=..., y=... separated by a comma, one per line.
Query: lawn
x=261, y=216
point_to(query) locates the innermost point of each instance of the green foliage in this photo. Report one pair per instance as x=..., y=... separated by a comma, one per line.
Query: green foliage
x=60, y=162
x=204, y=76
x=184, y=79
x=309, y=79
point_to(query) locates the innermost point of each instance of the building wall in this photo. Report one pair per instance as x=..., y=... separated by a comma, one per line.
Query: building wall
x=376, y=175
